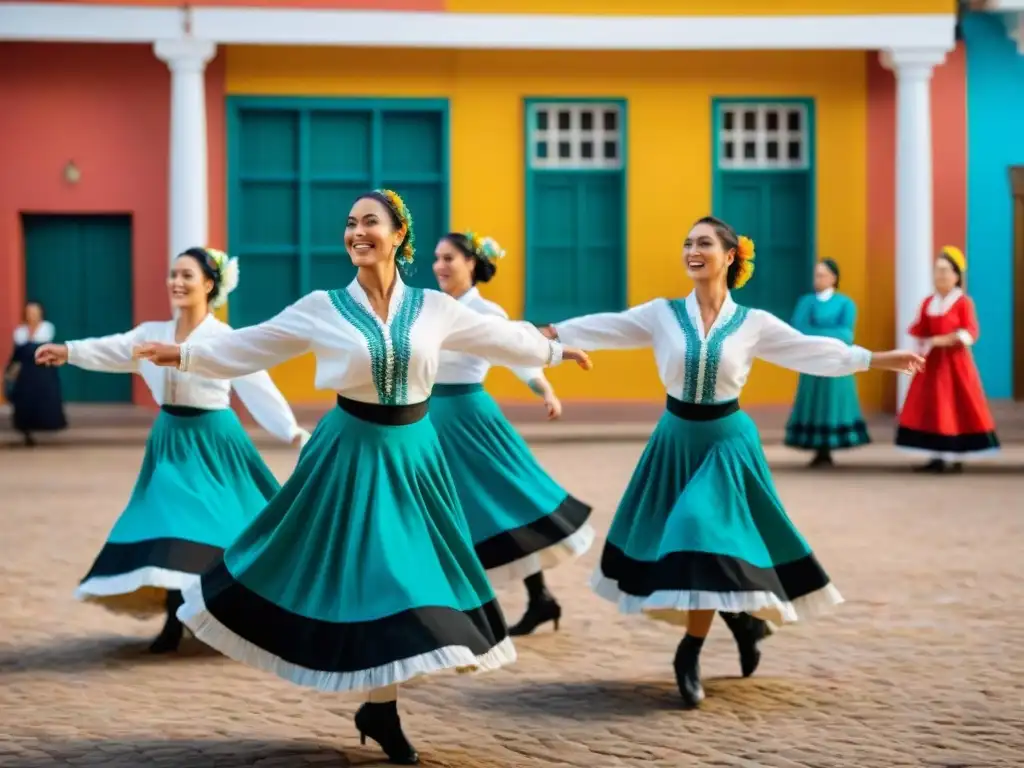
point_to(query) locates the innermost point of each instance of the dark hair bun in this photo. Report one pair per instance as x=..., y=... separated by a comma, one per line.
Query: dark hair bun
x=484, y=270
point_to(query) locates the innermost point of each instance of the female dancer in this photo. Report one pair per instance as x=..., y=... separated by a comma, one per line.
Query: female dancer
x=701, y=528
x=826, y=415
x=360, y=573
x=32, y=390
x=945, y=414
x=521, y=521
x=202, y=480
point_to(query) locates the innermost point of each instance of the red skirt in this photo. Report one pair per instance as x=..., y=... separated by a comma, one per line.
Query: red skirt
x=945, y=410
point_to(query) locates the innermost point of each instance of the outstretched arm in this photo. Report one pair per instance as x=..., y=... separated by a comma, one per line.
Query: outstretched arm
x=632, y=329
x=106, y=354
x=501, y=341
x=242, y=351
x=267, y=405
x=785, y=346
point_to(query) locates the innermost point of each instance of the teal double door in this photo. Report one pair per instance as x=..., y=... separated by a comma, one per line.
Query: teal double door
x=294, y=168
x=80, y=269
x=775, y=210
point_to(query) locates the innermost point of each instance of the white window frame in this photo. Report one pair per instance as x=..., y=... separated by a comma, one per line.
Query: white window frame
x=575, y=135
x=761, y=136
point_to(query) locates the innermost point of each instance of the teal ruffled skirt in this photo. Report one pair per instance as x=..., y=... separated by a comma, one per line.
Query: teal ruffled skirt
x=520, y=520
x=360, y=572
x=701, y=527
x=826, y=415
x=202, y=481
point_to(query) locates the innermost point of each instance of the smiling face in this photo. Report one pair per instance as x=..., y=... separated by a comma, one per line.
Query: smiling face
x=705, y=258
x=187, y=284
x=944, y=276
x=371, y=234
x=823, y=278
x=452, y=268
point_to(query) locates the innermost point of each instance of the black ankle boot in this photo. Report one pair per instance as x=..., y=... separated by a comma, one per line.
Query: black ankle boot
x=170, y=636
x=381, y=723
x=748, y=632
x=687, y=668
x=823, y=458
x=935, y=467
x=538, y=612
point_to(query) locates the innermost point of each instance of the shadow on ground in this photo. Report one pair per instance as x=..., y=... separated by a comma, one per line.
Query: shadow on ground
x=81, y=654
x=226, y=753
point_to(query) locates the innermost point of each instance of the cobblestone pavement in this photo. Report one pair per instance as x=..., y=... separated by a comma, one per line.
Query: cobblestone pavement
x=921, y=667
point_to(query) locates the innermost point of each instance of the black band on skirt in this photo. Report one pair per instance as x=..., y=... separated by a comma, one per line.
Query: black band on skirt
x=116, y=559
x=351, y=646
x=707, y=572
x=386, y=415
x=700, y=411
x=187, y=411
x=454, y=390
x=930, y=441
x=507, y=547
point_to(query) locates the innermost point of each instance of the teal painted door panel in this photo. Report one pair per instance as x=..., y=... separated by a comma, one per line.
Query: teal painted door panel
x=295, y=167
x=80, y=268
x=774, y=210
x=576, y=244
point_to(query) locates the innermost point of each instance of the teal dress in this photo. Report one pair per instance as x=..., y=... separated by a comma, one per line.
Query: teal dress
x=826, y=415
x=361, y=572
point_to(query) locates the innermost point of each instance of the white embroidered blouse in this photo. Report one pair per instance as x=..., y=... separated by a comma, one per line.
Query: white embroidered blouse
x=113, y=354
x=464, y=368
x=361, y=357
x=699, y=367
x=43, y=334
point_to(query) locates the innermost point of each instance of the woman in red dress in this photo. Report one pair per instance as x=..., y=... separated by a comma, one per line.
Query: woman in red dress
x=945, y=413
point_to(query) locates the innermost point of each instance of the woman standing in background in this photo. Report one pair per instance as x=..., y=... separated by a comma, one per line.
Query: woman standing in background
x=826, y=415
x=945, y=415
x=521, y=521
x=33, y=390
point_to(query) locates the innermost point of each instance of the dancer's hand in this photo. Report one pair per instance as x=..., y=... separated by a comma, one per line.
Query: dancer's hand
x=52, y=355
x=166, y=355
x=582, y=358
x=553, y=405
x=548, y=331
x=898, y=360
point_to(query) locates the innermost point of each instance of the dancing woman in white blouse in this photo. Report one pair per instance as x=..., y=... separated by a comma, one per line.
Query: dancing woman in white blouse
x=202, y=480
x=360, y=574
x=701, y=528
x=521, y=521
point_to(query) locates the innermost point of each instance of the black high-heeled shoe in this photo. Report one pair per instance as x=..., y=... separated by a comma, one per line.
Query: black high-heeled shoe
x=933, y=467
x=170, y=636
x=748, y=632
x=381, y=723
x=687, y=668
x=537, y=612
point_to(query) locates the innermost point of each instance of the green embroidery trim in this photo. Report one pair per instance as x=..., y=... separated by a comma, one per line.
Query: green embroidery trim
x=691, y=365
x=393, y=390
x=714, y=352
x=401, y=328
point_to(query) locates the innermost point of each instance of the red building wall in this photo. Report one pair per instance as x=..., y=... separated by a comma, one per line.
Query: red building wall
x=107, y=108
x=949, y=169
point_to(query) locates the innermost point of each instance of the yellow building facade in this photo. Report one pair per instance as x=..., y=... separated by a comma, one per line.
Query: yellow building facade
x=669, y=149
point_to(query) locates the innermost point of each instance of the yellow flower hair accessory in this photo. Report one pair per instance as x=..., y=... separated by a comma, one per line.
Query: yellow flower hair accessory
x=407, y=248
x=486, y=248
x=745, y=257
x=956, y=256
x=227, y=268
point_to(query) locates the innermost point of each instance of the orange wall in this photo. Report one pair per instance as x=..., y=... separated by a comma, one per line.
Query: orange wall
x=107, y=107
x=949, y=168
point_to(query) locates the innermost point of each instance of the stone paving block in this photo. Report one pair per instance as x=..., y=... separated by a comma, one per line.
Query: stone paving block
x=920, y=667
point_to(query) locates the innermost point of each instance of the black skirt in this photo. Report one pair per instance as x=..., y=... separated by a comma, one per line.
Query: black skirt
x=34, y=392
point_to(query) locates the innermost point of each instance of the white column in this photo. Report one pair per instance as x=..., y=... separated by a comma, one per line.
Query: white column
x=188, y=218
x=914, y=212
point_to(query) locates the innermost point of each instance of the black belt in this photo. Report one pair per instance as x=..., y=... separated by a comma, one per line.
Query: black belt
x=453, y=390
x=388, y=415
x=187, y=411
x=700, y=411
